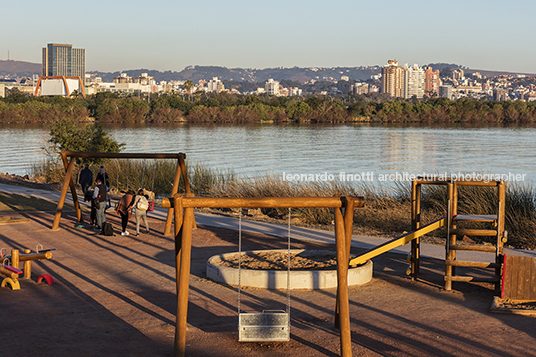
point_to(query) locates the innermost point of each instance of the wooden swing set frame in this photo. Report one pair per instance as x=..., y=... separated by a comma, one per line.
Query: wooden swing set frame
x=184, y=224
x=69, y=159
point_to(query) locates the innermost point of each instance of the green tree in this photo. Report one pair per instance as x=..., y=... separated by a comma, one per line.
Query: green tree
x=67, y=135
x=189, y=85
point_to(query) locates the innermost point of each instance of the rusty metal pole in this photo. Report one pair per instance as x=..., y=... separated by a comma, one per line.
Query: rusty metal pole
x=342, y=285
x=56, y=224
x=184, y=281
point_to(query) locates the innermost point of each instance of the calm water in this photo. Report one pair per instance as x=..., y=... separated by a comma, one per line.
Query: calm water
x=314, y=152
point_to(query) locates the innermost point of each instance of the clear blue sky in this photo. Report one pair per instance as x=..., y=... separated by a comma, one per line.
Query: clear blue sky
x=172, y=34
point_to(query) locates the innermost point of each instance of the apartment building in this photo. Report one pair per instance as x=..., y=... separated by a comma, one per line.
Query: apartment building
x=63, y=60
x=393, y=79
x=413, y=81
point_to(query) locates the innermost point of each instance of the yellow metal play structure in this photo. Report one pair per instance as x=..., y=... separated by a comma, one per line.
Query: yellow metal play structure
x=496, y=221
x=11, y=271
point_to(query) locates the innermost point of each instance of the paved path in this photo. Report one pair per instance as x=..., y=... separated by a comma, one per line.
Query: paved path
x=306, y=234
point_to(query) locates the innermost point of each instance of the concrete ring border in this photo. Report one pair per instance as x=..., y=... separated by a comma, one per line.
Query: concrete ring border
x=277, y=279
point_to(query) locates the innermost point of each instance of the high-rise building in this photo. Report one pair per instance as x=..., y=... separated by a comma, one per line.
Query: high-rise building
x=393, y=79
x=413, y=81
x=64, y=60
x=271, y=87
x=432, y=81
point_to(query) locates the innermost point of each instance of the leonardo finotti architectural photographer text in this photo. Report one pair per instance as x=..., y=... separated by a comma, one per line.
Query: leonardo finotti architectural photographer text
x=370, y=176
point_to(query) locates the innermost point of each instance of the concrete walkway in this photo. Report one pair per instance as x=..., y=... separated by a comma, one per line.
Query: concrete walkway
x=305, y=234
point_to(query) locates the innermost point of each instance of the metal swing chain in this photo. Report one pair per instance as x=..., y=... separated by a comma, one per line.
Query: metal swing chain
x=239, y=255
x=288, y=267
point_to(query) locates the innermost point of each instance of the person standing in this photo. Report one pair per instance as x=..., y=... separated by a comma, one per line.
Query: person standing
x=103, y=175
x=99, y=195
x=123, y=209
x=85, y=178
x=141, y=204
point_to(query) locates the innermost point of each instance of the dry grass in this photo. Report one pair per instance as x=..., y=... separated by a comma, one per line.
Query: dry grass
x=387, y=210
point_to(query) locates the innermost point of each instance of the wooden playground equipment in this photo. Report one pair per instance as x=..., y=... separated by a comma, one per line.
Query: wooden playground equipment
x=69, y=159
x=450, y=222
x=184, y=219
x=10, y=266
x=11, y=220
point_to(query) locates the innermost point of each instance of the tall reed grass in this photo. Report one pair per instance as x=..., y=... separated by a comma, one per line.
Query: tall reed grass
x=387, y=209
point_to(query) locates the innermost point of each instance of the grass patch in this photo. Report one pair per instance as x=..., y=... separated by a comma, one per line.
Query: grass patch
x=387, y=210
x=10, y=202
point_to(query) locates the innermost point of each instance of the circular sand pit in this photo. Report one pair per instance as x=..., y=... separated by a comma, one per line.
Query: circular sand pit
x=267, y=269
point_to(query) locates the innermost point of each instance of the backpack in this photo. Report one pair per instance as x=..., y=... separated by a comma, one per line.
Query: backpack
x=142, y=204
x=107, y=229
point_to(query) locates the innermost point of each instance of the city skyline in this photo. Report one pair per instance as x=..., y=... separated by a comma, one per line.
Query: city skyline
x=486, y=35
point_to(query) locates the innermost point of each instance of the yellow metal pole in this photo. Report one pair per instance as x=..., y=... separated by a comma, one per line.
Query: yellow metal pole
x=342, y=285
x=184, y=281
x=68, y=174
x=397, y=242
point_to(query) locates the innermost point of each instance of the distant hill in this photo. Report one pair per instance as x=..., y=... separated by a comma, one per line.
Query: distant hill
x=195, y=73
x=19, y=68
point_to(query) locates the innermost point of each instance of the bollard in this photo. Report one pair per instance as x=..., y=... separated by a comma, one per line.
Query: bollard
x=15, y=258
x=27, y=267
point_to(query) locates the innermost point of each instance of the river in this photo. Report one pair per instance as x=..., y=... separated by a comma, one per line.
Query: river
x=298, y=153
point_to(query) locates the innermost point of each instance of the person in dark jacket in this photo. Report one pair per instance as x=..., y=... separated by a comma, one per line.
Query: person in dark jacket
x=99, y=194
x=104, y=179
x=85, y=178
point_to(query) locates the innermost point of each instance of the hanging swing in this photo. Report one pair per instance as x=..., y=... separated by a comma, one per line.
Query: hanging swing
x=268, y=325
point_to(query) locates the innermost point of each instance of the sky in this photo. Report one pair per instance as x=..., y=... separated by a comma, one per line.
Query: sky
x=173, y=34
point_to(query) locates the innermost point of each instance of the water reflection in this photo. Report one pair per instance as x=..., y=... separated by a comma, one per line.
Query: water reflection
x=307, y=149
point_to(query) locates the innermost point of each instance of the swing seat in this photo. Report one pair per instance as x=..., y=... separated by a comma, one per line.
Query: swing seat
x=269, y=325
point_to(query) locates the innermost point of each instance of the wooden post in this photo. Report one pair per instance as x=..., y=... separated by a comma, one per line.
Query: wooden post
x=184, y=281
x=67, y=181
x=27, y=266
x=15, y=258
x=174, y=190
x=348, y=204
x=73, y=189
x=179, y=216
x=500, y=227
x=415, y=224
x=342, y=285
x=452, y=198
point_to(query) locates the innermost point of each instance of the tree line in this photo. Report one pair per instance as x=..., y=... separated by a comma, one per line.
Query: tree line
x=205, y=108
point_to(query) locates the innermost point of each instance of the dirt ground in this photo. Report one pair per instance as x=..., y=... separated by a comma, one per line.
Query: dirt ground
x=115, y=296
